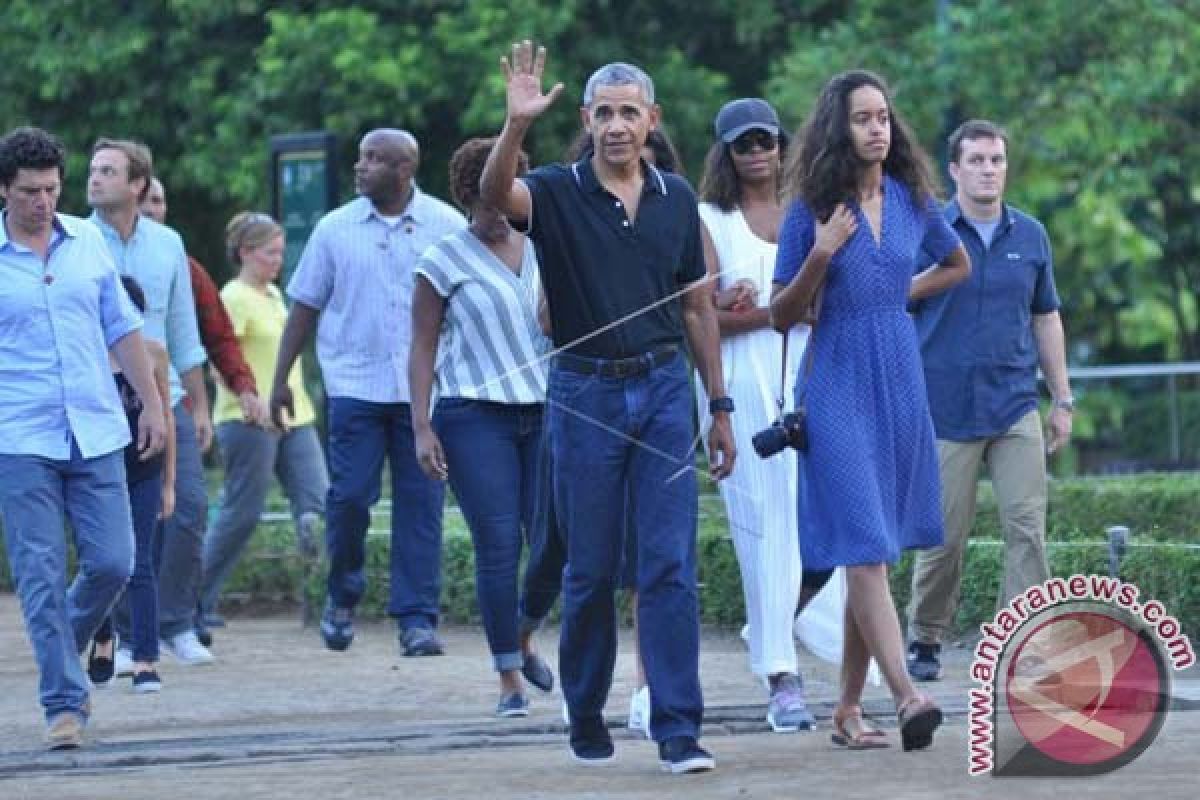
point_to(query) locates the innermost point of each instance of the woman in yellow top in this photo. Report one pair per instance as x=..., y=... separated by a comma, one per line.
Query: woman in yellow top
x=254, y=243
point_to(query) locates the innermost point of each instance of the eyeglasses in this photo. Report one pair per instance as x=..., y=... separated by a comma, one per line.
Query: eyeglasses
x=751, y=139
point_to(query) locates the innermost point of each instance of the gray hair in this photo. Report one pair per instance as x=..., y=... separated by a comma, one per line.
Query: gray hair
x=618, y=74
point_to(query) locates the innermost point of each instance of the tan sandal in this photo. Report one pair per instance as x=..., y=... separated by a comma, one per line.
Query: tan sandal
x=919, y=717
x=853, y=731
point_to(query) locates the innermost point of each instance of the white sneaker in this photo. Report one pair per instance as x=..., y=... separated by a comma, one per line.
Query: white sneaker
x=187, y=649
x=123, y=662
x=639, y=711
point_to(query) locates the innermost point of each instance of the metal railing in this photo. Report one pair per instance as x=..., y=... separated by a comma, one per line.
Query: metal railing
x=1171, y=372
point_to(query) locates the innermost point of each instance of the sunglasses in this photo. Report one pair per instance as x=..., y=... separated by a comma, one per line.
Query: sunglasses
x=750, y=139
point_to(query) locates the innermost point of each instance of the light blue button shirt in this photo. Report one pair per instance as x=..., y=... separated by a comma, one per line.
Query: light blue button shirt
x=57, y=320
x=357, y=270
x=155, y=258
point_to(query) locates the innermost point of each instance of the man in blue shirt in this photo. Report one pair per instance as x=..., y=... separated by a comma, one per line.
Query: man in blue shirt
x=118, y=178
x=354, y=285
x=982, y=343
x=63, y=428
x=622, y=264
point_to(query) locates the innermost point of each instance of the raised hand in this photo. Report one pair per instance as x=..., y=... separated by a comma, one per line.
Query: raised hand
x=836, y=231
x=523, y=77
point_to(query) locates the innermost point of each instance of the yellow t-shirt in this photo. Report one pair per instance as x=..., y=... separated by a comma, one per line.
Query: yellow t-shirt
x=258, y=321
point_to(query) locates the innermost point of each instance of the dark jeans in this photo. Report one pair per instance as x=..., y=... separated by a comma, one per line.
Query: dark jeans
x=180, y=542
x=548, y=548
x=361, y=434
x=145, y=500
x=609, y=437
x=492, y=457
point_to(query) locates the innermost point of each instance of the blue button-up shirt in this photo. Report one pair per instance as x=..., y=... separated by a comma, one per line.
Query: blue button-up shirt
x=357, y=269
x=57, y=320
x=977, y=339
x=155, y=258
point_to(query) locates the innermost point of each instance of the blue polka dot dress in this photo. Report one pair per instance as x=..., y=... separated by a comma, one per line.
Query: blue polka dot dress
x=869, y=484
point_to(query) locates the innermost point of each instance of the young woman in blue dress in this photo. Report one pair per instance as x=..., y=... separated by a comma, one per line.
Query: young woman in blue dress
x=863, y=217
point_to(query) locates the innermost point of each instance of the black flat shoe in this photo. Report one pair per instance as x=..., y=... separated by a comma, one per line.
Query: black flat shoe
x=100, y=668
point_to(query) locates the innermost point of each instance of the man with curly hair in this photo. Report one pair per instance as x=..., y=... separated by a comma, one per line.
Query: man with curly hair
x=63, y=428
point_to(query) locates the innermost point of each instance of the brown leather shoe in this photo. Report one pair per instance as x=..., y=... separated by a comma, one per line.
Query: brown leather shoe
x=65, y=731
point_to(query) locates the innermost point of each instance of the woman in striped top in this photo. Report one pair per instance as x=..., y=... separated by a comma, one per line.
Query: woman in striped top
x=477, y=341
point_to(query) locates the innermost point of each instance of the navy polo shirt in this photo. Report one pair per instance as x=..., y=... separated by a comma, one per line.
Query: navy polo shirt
x=977, y=341
x=603, y=272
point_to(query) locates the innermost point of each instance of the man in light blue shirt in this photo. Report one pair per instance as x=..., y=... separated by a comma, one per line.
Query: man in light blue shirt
x=356, y=277
x=62, y=425
x=153, y=254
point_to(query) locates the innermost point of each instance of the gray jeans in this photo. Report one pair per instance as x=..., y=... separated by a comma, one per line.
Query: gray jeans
x=251, y=454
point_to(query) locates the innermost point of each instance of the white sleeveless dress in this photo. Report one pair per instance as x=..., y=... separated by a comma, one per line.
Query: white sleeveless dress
x=760, y=495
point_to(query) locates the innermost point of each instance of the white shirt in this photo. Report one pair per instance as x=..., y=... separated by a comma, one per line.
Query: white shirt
x=358, y=272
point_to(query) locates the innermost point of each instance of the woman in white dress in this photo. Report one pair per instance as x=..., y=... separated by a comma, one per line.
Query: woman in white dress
x=741, y=211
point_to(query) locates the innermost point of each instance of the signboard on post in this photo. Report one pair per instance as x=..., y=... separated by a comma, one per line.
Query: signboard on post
x=303, y=187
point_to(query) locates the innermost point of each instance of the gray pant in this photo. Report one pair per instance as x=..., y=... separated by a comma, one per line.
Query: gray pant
x=251, y=454
x=1016, y=461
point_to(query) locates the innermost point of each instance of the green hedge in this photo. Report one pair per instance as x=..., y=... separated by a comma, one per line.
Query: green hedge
x=1160, y=507
x=1162, y=510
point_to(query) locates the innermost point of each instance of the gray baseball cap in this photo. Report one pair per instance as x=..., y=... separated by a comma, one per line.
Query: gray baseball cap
x=745, y=114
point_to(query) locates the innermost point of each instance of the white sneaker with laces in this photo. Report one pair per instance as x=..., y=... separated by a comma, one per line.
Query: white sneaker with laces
x=187, y=649
x=639, y=711
x=123, y=662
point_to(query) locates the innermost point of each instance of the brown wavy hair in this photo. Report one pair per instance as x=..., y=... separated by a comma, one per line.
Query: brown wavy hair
x=824, y=168
x=466, y=168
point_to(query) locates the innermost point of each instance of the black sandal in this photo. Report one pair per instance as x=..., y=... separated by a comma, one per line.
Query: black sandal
x=919, y=718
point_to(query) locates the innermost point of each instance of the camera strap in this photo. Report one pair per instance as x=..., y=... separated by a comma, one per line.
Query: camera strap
x=805, y=368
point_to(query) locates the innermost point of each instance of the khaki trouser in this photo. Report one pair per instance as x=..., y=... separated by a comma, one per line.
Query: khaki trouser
x=1016, y=462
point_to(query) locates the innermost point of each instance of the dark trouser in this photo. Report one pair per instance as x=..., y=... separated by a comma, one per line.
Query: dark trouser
x=492, y=456
x=543, y=578
x=145, y=499
x=361, y=434
x=610, y=436
x=181, y=540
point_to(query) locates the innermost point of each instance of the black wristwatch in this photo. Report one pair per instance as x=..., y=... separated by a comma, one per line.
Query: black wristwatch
x=720, y=404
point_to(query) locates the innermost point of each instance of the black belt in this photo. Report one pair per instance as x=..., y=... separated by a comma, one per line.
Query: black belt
x=617, y=367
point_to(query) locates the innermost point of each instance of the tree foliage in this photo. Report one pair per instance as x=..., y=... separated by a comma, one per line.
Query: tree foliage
x=1102, y=100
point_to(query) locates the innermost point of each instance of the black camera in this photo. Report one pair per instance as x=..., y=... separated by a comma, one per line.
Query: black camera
x=787, y=431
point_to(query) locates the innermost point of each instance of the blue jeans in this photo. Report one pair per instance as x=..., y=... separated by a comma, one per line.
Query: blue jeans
x=35, y=495
x=361, y=434
x=492, y=456
x=618, y=441
x=180, y=541
x=251, y=456
x=543, y=578
x=145, y=499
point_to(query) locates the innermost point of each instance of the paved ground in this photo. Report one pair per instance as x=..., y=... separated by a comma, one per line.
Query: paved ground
x=281, y=717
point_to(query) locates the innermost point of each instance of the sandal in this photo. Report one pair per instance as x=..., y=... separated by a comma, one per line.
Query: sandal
x=919, y=717
x=853, y=731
